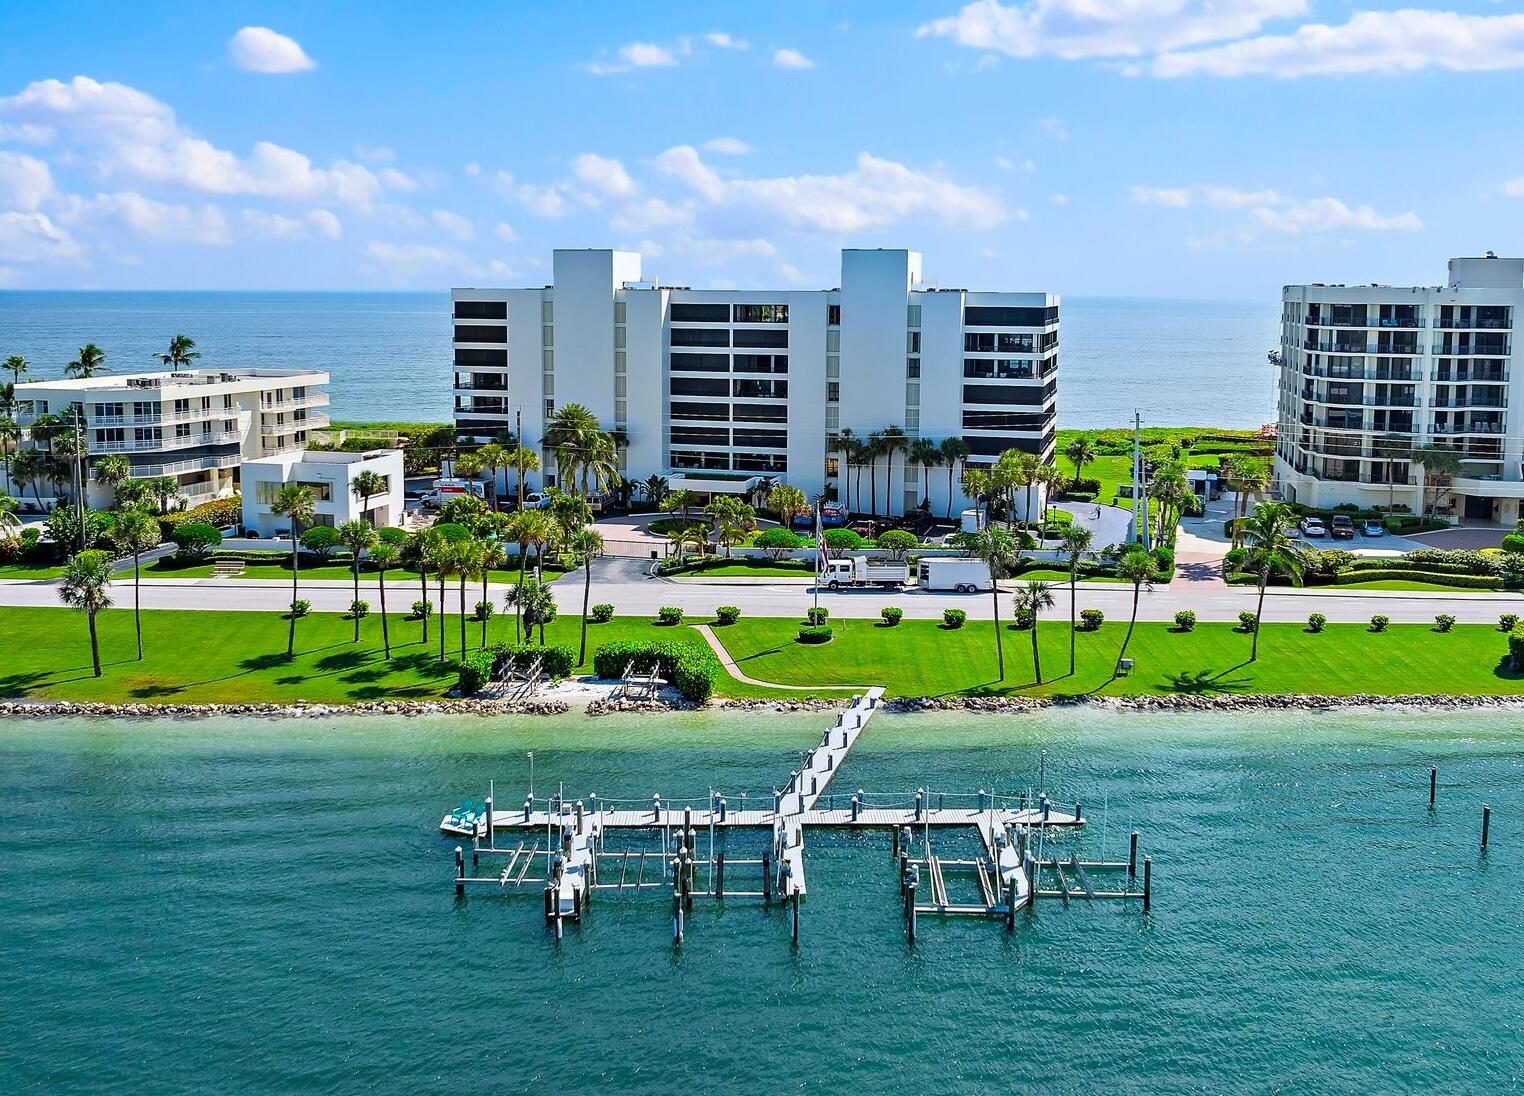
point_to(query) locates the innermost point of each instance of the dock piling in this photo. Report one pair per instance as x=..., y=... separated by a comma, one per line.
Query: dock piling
x=1079, y=812
x=476, y=853
x=904, y=870
x=920, y=802
x=656, y=807
x=1433, y=783
x=767, y=877
x=910, y=912
x=894, y=848
x=1486, y=824
x=581, y=820
x=1148, y=882
x=722, y=808
x=491, y=826
x=550, y=900
x=1010, y=905
x=1132, y=855
x=794, y=915
x=719, y=874
x=528, y=808
x=677, y=915
x=460, y=870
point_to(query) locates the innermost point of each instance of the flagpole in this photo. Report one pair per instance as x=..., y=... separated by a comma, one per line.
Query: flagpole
x=819, y=553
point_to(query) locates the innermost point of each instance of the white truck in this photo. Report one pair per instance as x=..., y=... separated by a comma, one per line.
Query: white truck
x=961, y=574
x=862, y=571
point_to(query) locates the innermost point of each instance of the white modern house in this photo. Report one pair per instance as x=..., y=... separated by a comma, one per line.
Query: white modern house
x=721, y=389
x=197, y=425
x=331, y=477
x=1370, y=372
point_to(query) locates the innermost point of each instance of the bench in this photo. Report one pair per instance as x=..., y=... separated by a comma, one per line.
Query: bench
x=227, y=568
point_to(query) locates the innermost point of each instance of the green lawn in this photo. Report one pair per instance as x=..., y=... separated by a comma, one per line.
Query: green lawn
x=1405, y=584
x=921, y=657
x=732, y=570
x=240, y=658
x=1048, y=574
x=280, y=570
x=31, y=570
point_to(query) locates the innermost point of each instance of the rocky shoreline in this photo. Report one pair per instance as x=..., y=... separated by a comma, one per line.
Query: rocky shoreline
x=603, y=706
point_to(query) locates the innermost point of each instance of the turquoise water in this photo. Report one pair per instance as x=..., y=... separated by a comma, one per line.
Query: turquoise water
x=389, y=353
x=267, y=906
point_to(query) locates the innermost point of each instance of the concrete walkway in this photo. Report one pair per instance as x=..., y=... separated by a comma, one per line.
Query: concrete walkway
x=735, y=671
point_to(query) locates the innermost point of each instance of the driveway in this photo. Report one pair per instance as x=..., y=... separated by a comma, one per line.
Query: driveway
x=1461, y=536
x=1107, y=524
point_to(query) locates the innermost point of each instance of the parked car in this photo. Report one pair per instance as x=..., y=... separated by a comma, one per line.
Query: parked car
x=1342, y=527
x=536, y=501
x=1373, y=529
x=1313, y=528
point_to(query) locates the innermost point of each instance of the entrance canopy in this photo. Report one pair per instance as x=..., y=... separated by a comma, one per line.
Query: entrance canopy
x=713, y=483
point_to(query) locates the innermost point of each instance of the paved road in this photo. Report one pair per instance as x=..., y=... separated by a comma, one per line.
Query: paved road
x=623, y=583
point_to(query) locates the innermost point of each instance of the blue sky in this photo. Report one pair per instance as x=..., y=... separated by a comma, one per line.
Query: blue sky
x=1176, y=148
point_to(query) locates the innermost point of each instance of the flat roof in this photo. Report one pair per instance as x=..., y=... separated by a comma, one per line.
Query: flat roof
x=174, y=378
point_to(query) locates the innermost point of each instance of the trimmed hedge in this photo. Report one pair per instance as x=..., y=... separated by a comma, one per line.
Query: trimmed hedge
x=815, y=633
x=953, y=618
x=603, y=612
x=219, y=512
x=891, y=614
x=1516, y=646
x=727, y=614
x=1185, y=620
x=1316, y=622
x=1464, y=582
x=817, y=614
x=1091, y=620
x=1379, y=622
x=669, y=615
x=690, y=666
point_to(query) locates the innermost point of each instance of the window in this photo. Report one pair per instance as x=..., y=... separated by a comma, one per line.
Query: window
x=700, y=336
x=144, y=410
x=322, y=490
x=912, y=342
x=760, y=363
x=833, y=418
x=833, y=391
x=1030, y=395
x=760, y=338
x=548, y=383
x=481, y=310
x=833, y=315
x=704, y=411
x=547, y=360
x=182, y=430
x=759, y=412
x=547, y=336
x=719, y=462
x=761, y=462
x=468, y=357
x=751, y=389
x=761, y=313
x=979, y=342
x=550, y=408
x=547, y=311
x=466, y=332
x=620, y=361
x=699, y=386
x=912, y=473
x=1003, y=420
x=912, y=420
x=913, y=316
x=833, y=366
x=833, y=342
x=619, y=387
x=619, y=312
x=114, y=438
x=1005, y=369
x=621, y=412
x=912, y=394
x=147, y=434
x=832, y=467
x=700, y=435
x=619, y=337
x=986, y=316
x=913, y=368
x=108, y=411
x=700, y=363
x=1007, y=342
x=700, y=313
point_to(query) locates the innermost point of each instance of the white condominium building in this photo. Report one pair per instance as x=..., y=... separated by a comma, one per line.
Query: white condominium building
x=718, y=388
x=1370, y=371
x=198, y=425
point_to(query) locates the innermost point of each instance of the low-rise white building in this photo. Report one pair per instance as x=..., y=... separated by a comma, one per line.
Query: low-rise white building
x=1371, y=373
x=721, y=389
x=331, y=476
x=197, y=425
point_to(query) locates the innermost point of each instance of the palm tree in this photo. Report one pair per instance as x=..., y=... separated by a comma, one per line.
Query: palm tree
x=732, y=520
x=137, y=532
x=490, y=557
x=9, y=522
x=1074, y=544
x=1393, y=447
x=976, y=485
x=527, y=527
x=10, y=441
x=523, y=460
x=1269, y=546
x=953, y=452
x=111, y=472
x=1137, y=567
x=1032, y=597
x=440, y=551
x=845, y=443
x=297, y=502
x=787, y=502
x=598, y=463
x=17, y=365
x=1081, y=451
x=571, y=432
x=1440, y=467
x=894, y=441
x=925, y=452
x=569, y=513
x=586, y=546
x=682, y=500
x=382, y=557
x=357, y=536
x=466, y=557
x=859, y=455
x=91, y=361
x=655, y=489
x=1170, y=489
x=86, y=586
x=182, y=353
x=537, y=603
x=493, y=457
x=1024, y=471
x=1246, y=476
x=366, y=485
x=467, y=466
x=1053, y=481
x=415, y=557
x=997, y=548
x=29, y=467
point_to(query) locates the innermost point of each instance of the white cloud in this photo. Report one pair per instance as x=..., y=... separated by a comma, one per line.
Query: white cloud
x=1514, y=188
x=643, y=216
x=27, y=134
x=25, y=182
x=33, y=238
x=149, y=219
x=129, y=133
x=542, y=201
x=1271, y=211
x=1059, y=199
x=325, y=223
x=260, y=49
x=1053, y=128
x=1379, y=42
x=713, y=252
x=456, y=225
x=399, y=180
x=504, y=231
x=791, y=273
x=874, y=194
x=635, y=55
x=1097, y=28
x=608, y=177
x=792, y=59
x=721, y=40
x=727, y=146
x=262, y=225
x=379, y=155
x=473, y=169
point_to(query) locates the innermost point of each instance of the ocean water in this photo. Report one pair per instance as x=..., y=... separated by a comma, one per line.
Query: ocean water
x=267, y=906
x=1178, y=362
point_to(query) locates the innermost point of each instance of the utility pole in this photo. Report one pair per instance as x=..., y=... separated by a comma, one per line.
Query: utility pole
x=1139, y=492
x=518, y=444
x=79, y=478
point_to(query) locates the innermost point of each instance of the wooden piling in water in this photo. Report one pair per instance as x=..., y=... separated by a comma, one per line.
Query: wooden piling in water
x=1010, y=905
x=910, y=912
x=1433, y=783
x=719, y=874
x=460, y=870
x=794, y=913
x=1148, y=882
x=1132, y=855
x=677, y=915
x=767, y=877
x=1486, y=824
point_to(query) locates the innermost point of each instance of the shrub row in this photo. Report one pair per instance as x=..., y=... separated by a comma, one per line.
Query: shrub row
x=690, y=666
x=219, y=512
x=481, y=666
x=1462, y=581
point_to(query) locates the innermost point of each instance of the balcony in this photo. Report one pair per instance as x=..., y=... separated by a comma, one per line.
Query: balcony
x=1470, y=401
x=312, y=399
x=1469, y=376
x=173, y=468
x=1472, y=325
x=1470, y=428
x=1461, y=350
x=478, y=386
x=1312, y=320
x=1370, y=373
x=315, y=421
x=133, y=445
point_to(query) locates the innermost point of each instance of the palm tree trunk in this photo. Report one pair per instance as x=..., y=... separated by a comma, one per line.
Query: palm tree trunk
x=873, y=485
x=1036, y=658
x=386, y=638
x=587, y=588
x=1259, y=609
x=1137, y=590
x=354, y=609
x=137, y=604
x=950, y=466
x=462, y=616
x=999, y=645
x=518, y=606
x=95, y=645
x=1073, y=613
x=441, y=577
x=295, y=569
x=485, y=618
x=423, y=588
